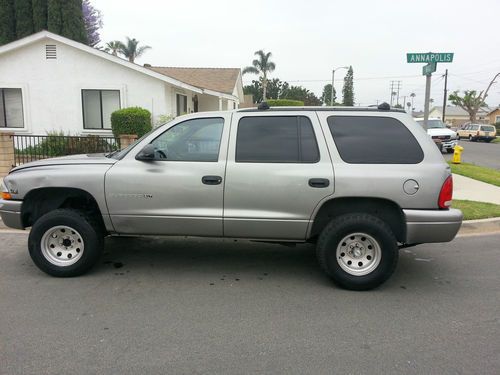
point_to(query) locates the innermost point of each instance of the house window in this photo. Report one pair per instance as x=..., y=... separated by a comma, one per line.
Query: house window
x=98, y=105
x=497, y=119
x=11, y=108
x=181, y=104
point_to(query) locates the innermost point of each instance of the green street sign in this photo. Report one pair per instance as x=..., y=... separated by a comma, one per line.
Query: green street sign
x=429, y=57
x=429, y=68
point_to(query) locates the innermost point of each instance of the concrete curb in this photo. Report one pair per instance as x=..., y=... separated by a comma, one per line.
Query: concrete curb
x=480, y=226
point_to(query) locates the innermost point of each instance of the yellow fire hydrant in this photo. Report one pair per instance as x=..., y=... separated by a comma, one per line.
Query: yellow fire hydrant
x=457, y=154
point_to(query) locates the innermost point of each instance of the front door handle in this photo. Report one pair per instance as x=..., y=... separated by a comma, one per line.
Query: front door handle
x=211, y=180
x=319, y=182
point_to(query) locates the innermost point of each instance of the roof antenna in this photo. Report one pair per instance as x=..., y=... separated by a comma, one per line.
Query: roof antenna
x=263, y=106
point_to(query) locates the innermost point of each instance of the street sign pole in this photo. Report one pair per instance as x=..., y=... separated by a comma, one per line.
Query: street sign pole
x=427, y=98
x=431, y=59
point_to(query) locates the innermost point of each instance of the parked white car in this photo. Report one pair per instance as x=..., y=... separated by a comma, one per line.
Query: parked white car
x=438, y=131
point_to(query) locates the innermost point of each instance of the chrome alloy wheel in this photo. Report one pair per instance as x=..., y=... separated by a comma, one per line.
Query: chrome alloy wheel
x=62, y=246
x=358, y=254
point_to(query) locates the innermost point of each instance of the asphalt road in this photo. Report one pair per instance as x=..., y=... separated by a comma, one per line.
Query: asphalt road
x=479, y=153
x=184, y=306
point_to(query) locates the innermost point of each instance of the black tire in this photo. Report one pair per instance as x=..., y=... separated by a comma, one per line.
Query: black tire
x=450, y=150
x=341, y=227
x=88, y=229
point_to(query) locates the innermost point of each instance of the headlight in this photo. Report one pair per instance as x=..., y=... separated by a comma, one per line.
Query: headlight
x=5, y=192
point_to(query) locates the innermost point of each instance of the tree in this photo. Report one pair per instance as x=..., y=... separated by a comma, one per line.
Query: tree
x=39, y=15
x=262, y=66
x=302, y=94
x=326, y=97
x=276, y=89
x=412, y=96
x=348, y=89
x=131, y=49
x=54, y=16
x=7, y=21
x=471, y=101
x=92, y=19
x=73, y=26
x=114, y=47
x=24, y=18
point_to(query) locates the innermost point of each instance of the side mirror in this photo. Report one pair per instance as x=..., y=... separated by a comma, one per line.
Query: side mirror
x=147, y=153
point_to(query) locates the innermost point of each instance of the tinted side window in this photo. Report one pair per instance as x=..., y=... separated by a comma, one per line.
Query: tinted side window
x=374, y=140
x=276, y=139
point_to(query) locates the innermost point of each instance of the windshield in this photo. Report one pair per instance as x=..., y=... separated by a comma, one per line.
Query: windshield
x=433, y=124
x=119, y=154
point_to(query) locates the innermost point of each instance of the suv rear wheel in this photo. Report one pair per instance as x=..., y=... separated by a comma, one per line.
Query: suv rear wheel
x=65, y=243
x=358, y=251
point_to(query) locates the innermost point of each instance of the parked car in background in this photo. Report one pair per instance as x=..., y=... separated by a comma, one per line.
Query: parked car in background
x=444, y=138
x=478, y=132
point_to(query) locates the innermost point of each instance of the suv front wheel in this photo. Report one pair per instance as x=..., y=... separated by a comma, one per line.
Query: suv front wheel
x=358, y=251
x=65, y=242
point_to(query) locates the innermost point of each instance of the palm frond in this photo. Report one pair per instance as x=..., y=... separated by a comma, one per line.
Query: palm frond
x=251, y=70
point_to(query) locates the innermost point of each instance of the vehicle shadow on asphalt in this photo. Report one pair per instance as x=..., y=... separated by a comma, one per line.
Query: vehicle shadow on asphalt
x=237, y=261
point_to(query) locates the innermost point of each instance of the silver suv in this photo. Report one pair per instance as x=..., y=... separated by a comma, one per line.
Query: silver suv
x=359, y=182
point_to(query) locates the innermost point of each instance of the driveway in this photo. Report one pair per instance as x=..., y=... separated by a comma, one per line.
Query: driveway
x=185, y=306
x=479, y=153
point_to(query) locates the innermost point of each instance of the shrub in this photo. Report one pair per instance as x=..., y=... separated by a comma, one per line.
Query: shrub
x=133, y=120
x=497, y=125
x=59, y=144
x=285, y=103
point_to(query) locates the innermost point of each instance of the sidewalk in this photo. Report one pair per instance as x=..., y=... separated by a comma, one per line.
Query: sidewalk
x=474, y=190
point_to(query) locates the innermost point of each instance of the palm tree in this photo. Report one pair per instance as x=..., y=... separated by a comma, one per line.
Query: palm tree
x=131, y=50
x=261, y=66
x=113, y=47
x=412, y=96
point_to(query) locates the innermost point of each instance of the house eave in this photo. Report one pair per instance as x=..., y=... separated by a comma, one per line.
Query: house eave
x=104, y=55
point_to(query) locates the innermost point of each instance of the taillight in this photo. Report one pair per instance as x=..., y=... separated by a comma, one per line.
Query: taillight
x=446, y=193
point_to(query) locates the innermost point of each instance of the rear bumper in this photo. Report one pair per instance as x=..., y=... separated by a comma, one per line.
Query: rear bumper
x=10, y=211
x=426, y=226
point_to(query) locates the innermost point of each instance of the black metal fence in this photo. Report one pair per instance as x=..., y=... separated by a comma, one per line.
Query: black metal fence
x=35, y=147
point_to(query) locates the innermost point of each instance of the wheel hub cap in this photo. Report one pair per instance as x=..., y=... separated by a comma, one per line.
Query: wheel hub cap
x=358, y=254
x=62, y=245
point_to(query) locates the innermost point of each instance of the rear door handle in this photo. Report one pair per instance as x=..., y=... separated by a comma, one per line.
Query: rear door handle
x=319, y=182
x=211, y=180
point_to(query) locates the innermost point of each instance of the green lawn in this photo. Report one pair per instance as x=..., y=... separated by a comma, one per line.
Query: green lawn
x=476, y=210
x=489, y=175
x=496, y=140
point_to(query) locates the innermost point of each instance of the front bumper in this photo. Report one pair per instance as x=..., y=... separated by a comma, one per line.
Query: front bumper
x=449, y=144
x=426, y=226
x=10, y=211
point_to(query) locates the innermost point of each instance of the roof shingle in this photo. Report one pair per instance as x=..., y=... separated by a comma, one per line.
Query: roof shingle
x=217, y=79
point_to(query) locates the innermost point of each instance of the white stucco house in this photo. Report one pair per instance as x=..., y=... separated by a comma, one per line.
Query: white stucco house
x=51, y=83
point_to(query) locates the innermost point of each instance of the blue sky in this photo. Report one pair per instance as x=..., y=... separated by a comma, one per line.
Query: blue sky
x=309, y=38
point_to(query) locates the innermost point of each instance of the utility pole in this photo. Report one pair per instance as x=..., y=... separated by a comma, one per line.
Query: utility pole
x=399, y=87
x=333, y=77
x=395, y=88
x=445, y=97
x=427, y=97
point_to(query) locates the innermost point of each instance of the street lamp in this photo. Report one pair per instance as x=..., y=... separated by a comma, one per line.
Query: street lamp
x=333, y=76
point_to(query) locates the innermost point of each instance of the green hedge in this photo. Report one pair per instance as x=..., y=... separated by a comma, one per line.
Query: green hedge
x=285, y=103
x=133, y=120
